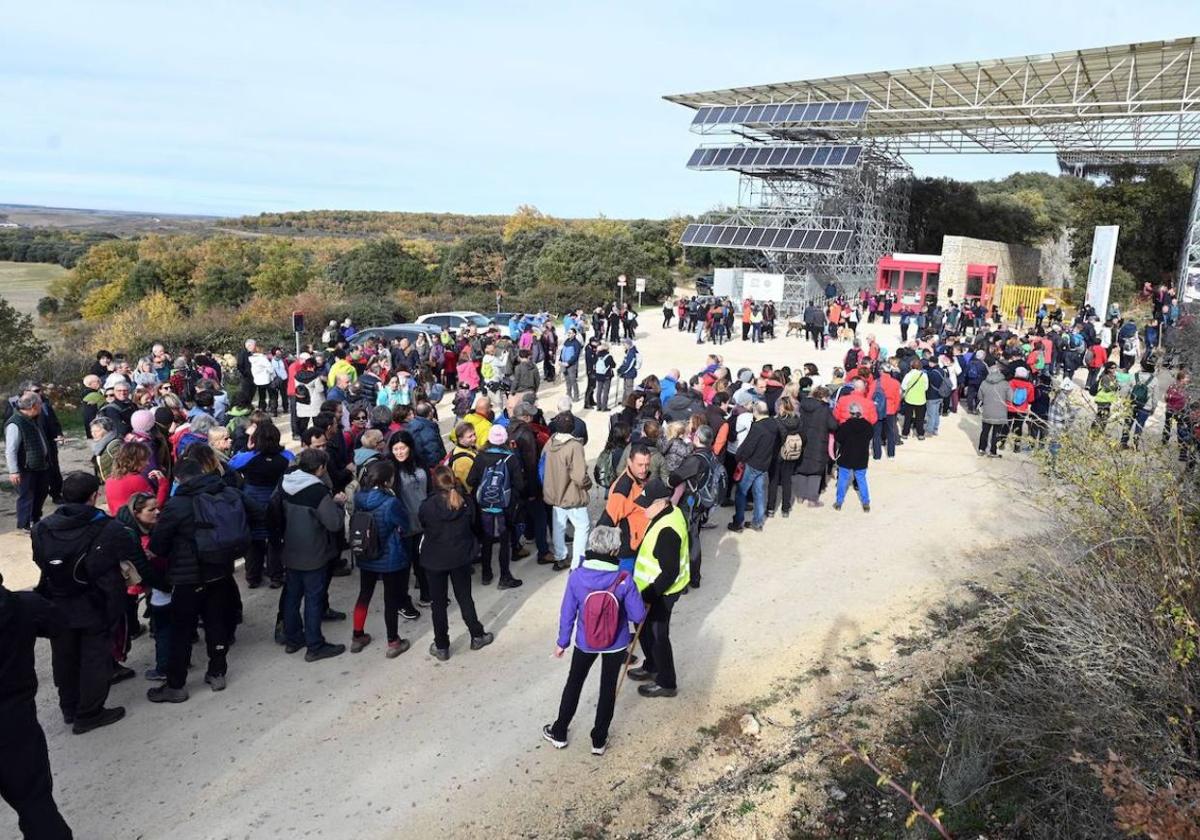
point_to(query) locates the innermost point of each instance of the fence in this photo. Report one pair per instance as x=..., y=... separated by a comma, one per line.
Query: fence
x=1013, y=296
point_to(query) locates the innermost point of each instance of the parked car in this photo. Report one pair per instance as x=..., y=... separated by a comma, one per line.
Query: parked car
x=395, y=331
x=456, y=320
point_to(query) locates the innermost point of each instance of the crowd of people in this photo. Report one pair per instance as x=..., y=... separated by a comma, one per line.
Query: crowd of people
x=190, y=476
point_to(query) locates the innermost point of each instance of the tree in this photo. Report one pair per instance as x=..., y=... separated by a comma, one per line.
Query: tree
x=106, y=262
x=144, y=279
x=593, y=262
x=527, y=219
x=21, y=349
x=285, y=269
x=476, y=262
x=378, y=267
x=521, y=253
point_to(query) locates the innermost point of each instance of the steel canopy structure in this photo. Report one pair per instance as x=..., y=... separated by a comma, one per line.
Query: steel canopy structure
x=1093, y=108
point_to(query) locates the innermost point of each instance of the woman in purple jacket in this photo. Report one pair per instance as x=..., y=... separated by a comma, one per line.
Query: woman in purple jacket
x=597, y=573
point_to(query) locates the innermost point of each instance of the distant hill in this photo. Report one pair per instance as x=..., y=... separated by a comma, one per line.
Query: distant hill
x=443, y=227
x=118, y=222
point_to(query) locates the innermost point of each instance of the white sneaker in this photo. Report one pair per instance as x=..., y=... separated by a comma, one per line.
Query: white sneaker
x=558, y=745
x=600, y=749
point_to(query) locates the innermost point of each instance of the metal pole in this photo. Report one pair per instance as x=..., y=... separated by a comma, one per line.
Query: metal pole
x=622, y=291
x=1189, y=257
x=639, y=300
x=297, y=344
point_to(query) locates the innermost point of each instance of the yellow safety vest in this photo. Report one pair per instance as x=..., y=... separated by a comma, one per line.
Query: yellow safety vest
x=646, y=568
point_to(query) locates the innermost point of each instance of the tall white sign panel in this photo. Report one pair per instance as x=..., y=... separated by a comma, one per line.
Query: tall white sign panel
x=762, y=287
x=1104, y=252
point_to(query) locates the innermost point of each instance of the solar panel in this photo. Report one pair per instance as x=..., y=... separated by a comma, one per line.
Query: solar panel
x=702, y=116
x=852, y=155
x=752, y=237
x=775, y=157
x=822, y=155
x=756, y=114
x=694, y=160
x=858, y=110
x=722, y=156
x=835, y=156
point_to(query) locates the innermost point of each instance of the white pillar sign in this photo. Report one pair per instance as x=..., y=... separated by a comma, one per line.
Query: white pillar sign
x=1104, y=252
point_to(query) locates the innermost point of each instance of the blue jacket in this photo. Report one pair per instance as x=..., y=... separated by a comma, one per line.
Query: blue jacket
x=427, y=437
x=391, y=521
x=667, y=386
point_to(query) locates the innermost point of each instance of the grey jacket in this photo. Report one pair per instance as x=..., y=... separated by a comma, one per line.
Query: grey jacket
x=311, y=522
x=993, y=397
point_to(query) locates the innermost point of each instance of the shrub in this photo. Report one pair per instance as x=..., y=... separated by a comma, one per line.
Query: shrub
x=20, y=348
x=47, y=307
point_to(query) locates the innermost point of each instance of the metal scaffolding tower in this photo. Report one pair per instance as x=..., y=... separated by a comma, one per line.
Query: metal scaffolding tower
x=831, y=149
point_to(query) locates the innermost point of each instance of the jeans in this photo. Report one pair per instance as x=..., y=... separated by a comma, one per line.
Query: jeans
x=843, y=481
x=753, y=481
x=82, y=661
x=656, y=641
x=25, y=780
x=160, y=619
x=603, y=386
x=309, y=585
x=539, y=523
x=578, y=517
x=581, y=665
x=933, y=416
x=31, y=496
x=1134, y=426
x=440, y=580
x=627, y=387
x=571, y=377
x=216, y=601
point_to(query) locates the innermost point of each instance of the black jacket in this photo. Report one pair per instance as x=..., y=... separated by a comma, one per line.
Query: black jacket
x=853, y=440
x=450, y=539
x=761, y=445
x=491, y=455
x=24, y=618
x=682, y=404
x=174, y=536
x=816, y=422
x=68, y=533
x=524, y=442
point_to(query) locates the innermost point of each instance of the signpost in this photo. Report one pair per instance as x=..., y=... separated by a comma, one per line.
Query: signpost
x=621, y=286
x=640, y=285
x=297, y=328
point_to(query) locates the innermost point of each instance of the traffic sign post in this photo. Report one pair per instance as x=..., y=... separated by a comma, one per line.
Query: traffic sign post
x=640, y=285
x=297, y=328
x=621, y=287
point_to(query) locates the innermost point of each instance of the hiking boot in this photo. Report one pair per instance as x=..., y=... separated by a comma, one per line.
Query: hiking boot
x=920, y=437
x=409, y=613
x=275, y=583
x=166, y=694
x=333, y=615
x=560, y=565
x=521, y=553
x=215, y=681
x=423, y=601
x=342, y=571
x=483, y=641
x=155, y=675
x=359, y=642
x=656, y=690
x=755, y=526
x=694, y=583
x=440, y=654
x=292, y=647
x=396, y=648
x=325, y=651
x=509, y=583
x=120, y=674
x=837, y=505
x=995, y=455
x=866, y=508
x=486, y=578
x=546, y=559
x=280, y=638
x=549, y=736
x=735, y=527
x=254, y=584
x=785, y=514
x=770, y=513
x=639, y=674
x=102, y=718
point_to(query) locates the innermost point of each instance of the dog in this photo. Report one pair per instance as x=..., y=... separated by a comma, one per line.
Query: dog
x=794, y=327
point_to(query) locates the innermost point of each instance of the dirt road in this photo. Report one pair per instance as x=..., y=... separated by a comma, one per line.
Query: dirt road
x=377, y=748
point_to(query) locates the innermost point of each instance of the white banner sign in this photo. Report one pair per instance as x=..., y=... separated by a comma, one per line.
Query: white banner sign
x=640, y=283
x=724, y=280
x=1191, y=286
x=762, y=287
x=1104, y=252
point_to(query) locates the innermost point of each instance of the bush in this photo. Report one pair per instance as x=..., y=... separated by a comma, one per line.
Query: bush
x=20, y=349
x=47, y=307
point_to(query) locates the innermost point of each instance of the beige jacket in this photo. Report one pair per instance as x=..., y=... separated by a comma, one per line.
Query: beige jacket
x=566, y=482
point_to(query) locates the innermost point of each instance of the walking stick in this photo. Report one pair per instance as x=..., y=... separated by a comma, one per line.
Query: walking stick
x=628, y=656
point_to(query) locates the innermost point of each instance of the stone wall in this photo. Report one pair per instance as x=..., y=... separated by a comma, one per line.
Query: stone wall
x=1014, y=264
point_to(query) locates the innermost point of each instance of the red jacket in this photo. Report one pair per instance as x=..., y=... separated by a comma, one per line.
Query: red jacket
x=891, y=392
x=292, y=370
x=841, y=411
x=1099, y=357
x=118, y=491
x=1021, y=385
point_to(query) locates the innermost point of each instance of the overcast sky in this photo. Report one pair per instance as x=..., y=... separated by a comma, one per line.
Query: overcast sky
x=473, y=107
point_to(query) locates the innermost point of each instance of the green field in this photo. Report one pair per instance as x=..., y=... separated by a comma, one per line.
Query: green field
x=23, y=284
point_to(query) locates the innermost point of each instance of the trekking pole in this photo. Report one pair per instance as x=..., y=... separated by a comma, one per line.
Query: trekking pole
x=629, y=656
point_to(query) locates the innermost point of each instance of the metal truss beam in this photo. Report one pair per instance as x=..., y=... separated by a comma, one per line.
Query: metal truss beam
x=1189, y=261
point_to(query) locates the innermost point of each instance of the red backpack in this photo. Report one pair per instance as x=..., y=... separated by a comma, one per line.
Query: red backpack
x=602, y=616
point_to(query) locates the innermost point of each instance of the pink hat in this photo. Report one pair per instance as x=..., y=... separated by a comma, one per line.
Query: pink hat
x=142, y=421
x=498, y=435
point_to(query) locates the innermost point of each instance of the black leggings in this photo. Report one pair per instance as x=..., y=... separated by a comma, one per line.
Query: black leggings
x=392, y=597
x=485, y=555
x=413, y=544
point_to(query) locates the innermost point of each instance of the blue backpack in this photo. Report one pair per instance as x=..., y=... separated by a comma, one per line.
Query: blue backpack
x=1019, y=396
x=569, y=354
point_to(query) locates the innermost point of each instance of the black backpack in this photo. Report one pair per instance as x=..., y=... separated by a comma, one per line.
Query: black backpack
x=494, y=492
x=711, y=487
x=222, y=529
x=62, y=562
x=364, y=537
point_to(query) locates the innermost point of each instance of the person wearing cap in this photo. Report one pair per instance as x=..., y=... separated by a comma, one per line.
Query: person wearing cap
x=662, y=572
x=1021, y=394
x=497, y=527
x=853, y=441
